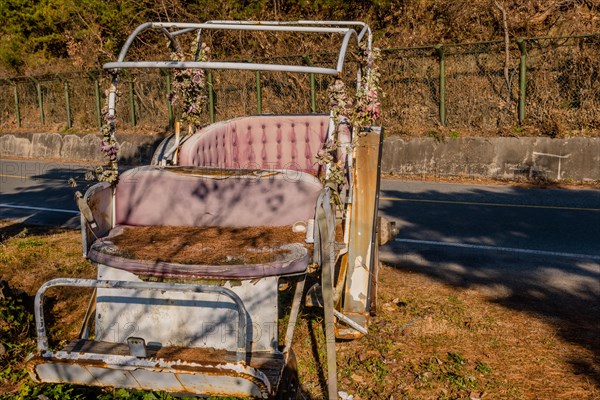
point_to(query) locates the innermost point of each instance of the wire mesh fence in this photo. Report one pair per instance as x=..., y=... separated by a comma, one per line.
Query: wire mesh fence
x=563, y=85
x=410, y=82
x=541, y=86
x=8, y=117
x=234, y=94
x=479, y=97
x=82, y=90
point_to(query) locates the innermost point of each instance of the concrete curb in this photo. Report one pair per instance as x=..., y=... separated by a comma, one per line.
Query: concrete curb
x=500, y=157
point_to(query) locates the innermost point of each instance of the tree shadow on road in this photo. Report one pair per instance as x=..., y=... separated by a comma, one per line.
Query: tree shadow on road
x=36, y=187
x=563, y=291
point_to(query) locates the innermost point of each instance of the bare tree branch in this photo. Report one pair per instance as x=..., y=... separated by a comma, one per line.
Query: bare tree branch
x=506, y=48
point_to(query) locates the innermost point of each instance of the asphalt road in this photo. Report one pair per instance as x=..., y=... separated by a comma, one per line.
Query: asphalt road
x=534, y=220
x=559, y=222
x=38, y=193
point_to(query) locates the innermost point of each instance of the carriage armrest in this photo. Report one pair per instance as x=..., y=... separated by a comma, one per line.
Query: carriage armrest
x=100, y=200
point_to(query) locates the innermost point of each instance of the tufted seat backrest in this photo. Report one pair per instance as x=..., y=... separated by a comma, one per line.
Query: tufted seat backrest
x=259, y=142
x=179, y=196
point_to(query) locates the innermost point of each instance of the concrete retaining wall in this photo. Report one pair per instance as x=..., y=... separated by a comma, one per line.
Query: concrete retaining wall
x=576, y=159
x=134, y=149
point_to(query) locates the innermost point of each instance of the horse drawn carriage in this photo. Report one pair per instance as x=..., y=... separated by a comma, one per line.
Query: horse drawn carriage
x=192, y=251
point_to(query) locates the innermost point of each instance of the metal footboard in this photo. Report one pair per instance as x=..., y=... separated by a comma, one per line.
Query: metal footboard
x=243, y=326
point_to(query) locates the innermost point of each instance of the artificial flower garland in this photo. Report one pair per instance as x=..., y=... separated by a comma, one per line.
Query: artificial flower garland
x=189, y=88
x=108, y=144
x=360, y=114
x=189, y=93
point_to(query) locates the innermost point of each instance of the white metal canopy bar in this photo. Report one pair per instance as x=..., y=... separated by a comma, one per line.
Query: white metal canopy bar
x=172, y=29
x=220, y=65
x=343, y=27
x=254, y=26
x=364, y=27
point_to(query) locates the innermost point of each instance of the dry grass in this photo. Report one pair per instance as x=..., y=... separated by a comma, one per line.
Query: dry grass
x=428, y=341
x=434, y=341
x=30, y=256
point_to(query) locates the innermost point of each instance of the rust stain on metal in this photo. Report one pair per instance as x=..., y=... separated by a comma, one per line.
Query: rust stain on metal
x=30, y=367
x=173, y=361
x=362, y=224
x=220, y=172
x=174, y=370
x=347, y=333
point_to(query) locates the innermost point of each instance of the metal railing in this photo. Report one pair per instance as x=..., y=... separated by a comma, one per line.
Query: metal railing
x=243, y=327
x=553, y=89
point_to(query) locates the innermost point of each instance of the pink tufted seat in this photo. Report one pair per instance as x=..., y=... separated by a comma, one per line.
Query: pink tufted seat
x=250, y=171
x=180, y=196
x=259, y=142
x=198, y=196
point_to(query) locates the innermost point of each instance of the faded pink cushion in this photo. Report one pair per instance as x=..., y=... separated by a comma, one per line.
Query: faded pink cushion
x=179, y=196
x=259, y=142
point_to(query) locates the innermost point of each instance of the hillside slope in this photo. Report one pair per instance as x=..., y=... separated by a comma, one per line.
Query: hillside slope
x=51, y=36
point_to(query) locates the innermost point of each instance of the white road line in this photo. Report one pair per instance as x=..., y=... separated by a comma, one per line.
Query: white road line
x=500, y=248
x=474, y=203
x=59, y=210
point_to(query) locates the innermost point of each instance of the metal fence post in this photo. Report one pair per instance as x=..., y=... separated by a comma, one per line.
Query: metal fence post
x=258, y=94
x=313, y=92
x=17, y=107
x=211, y=97
x=16, y=96
x=442, y=101
x=169, y=105
x=67, y=100
x=132, y=103
x=522, y=79
x=97, y=96
x=38, y=88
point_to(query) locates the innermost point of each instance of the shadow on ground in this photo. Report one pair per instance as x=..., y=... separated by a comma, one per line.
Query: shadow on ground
x=562, y=290
x=46, y=187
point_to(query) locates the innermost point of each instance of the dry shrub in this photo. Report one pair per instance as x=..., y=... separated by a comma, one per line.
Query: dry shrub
x=562, y=90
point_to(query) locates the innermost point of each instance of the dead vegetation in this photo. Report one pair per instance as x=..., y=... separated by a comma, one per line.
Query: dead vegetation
x=482, y=73
x=61, y=36
x=429, y=340
x=206, y=245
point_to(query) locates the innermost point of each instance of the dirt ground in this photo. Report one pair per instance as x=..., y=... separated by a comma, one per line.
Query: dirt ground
x=429, y=340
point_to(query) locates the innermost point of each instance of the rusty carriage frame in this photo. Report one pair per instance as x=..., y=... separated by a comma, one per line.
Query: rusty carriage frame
x=242, y=364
